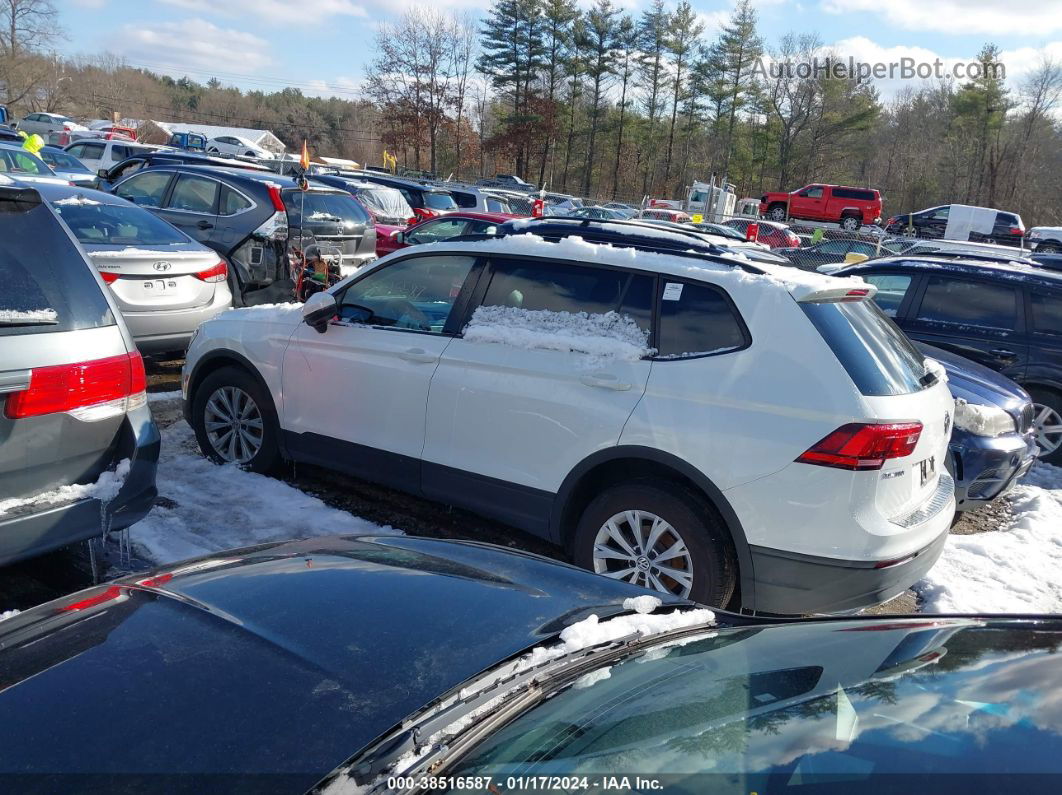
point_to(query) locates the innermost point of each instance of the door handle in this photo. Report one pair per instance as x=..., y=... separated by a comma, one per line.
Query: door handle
x=1002, y=353
x=205, y=225
x=605, y=381
x=418, y=355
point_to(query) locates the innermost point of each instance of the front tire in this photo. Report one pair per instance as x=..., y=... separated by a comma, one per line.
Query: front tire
x=776, y=212
x=235, y=421
x=658, y=535
x=1047, y=423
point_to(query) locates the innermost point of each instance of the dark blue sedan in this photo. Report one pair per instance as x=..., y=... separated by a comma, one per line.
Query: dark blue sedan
x=368, y=664
x=992, y=442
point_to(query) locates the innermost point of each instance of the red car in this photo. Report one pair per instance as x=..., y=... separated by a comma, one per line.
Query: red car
x=444, y=227
x=849, y=207
x=770, y=233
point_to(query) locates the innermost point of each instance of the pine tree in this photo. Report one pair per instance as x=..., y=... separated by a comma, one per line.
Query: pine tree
x=652, y=41
x=557, y=17
x=627, y=50
x=600, y=45
x=733, y=57
x=683, y=33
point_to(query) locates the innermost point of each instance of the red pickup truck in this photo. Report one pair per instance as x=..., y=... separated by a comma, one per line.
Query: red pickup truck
x=849, y=207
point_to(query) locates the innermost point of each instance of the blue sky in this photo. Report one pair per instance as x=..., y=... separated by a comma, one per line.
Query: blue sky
x=321, y=46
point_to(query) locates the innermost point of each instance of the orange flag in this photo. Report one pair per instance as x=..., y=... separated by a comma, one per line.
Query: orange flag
x=304, y=161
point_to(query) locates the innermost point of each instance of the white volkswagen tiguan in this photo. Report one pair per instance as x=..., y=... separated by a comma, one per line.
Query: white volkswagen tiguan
x=692, y=422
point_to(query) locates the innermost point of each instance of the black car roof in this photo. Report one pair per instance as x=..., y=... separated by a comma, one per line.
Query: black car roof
x=388, y=179
x=998, y=270
x=259, y=177
x=281, y=658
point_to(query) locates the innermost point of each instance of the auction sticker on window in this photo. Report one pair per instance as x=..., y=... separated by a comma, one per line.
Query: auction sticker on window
x=672, y=291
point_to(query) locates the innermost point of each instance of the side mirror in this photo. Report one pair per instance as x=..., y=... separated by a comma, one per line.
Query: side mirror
x=102, y=173
x=318, y=310
x=398, y=236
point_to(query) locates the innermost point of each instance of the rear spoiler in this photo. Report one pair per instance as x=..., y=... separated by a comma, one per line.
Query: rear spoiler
x=844, y=292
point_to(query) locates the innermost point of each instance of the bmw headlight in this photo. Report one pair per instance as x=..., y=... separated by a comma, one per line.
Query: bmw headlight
x=982, y=420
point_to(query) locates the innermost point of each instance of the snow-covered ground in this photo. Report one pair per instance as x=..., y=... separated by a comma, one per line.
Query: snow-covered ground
x=206, y=508
x=1015, y=569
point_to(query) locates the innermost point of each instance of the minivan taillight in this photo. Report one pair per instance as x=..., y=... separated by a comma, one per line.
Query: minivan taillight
x=216, y=274
x=861, y=446
x=92, y=390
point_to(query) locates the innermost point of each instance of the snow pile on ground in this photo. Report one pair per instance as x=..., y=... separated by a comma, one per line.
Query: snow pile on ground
x=104, y=489
x=1013, y=570
x=206, y=508
x=608, y=335
x=28, y=316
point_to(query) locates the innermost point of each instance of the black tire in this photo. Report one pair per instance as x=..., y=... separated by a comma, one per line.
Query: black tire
x=776, y=212
x=268, y=454
x=851, y=223
x=696, y=523
x=1048, y=247
x=1047, y=398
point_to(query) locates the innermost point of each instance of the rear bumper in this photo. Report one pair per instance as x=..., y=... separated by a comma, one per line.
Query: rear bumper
x=791, y=583
x=29, y=534
x=986, y=468
x=160, y=331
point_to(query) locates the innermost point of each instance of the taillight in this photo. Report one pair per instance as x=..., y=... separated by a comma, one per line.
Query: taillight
x=90, y=391
x=277, y=199
x=1017, y=230
x=862, y=446
x=216, y=274
x=109, y=277
x=112, y=593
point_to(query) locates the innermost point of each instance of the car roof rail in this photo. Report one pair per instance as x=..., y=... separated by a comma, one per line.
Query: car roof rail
x=683, y=244
x=983, y=256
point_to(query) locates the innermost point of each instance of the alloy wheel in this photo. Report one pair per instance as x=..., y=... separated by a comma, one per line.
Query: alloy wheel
x=644, y=549
x=1047, y=424
x=233, y=424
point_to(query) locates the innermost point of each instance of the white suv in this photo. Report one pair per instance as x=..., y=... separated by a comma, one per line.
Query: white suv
x=691, y=422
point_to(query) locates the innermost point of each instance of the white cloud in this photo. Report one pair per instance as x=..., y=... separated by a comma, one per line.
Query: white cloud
x=275, y=12
x=1020, y=17
x=190, y=44
x=341, y=87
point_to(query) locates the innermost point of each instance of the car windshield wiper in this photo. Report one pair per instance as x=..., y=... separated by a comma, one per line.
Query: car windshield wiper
x=445, y=729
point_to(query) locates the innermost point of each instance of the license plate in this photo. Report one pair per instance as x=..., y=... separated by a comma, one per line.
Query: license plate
x=927, y=468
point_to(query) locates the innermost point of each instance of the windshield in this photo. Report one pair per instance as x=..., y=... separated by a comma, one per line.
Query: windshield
x=63, y=161
x=439, y=201
x=871, y=348
x=16, y=161
x=108, y=224
x=797, y=708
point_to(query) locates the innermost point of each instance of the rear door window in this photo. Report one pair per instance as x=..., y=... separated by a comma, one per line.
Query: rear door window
x=697, y=320
x=1046, y=312
x=555, y=287
x=195, y=194
x=969, y=303
x=48, y=286
x=892, y=288
x=233, y=202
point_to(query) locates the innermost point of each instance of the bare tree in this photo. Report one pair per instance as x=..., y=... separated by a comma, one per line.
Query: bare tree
x=26, y=28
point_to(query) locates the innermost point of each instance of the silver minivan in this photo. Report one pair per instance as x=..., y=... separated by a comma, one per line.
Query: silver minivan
x=78, y=446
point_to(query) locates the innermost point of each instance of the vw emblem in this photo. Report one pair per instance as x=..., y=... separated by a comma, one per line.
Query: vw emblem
x=947, y=422
x=162, y=266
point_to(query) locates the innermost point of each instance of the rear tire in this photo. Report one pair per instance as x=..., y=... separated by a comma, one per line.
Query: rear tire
x=1047, y=413
x=851, y=223
x=235, y=421
x=615, y=530
x=1048, y=248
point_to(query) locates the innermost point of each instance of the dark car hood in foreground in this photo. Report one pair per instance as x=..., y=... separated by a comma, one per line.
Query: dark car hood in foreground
x=976, y=383
x=282, y=660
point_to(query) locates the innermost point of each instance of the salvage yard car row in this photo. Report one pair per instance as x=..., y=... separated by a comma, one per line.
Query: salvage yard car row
x=679, y=410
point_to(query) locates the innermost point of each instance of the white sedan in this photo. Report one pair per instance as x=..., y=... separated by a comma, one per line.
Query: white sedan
x=235, y=145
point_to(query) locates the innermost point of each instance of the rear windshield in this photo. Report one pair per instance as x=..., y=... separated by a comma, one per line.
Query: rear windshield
x=387, y=204
x=871, y=348
x=439, y=201
x=108, y=224
x=47, y=284
x=314, y=208
x=64, y=161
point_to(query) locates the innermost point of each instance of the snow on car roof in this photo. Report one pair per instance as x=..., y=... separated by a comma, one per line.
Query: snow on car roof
x=728, y=266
